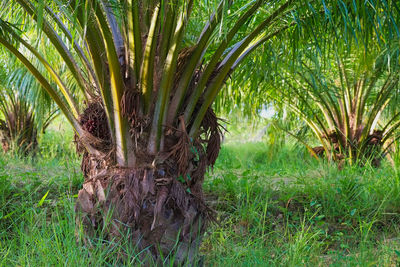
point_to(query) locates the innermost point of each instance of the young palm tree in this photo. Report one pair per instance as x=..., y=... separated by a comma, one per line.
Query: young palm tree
x=18, y=130
x=25, y=113
x=347, y=105
x=332, y=77
x=143, y=115
x=343, y=84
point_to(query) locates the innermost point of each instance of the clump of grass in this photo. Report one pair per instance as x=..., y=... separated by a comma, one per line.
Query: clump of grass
x=269, y=160
x=58, y=144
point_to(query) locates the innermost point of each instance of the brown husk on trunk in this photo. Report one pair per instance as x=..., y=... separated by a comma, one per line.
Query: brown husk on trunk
x=158, y=205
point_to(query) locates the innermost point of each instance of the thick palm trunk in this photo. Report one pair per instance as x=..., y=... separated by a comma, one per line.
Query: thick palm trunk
x=156, y=212
x=158, y=205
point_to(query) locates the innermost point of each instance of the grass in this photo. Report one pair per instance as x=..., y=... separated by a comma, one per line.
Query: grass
x=276, y=206
x=287, y=209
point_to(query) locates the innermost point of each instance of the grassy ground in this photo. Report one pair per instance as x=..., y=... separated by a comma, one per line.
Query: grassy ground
x=276, y=206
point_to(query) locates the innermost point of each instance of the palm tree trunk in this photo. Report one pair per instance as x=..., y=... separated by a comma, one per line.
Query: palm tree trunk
x=158, y=204
x=156, y=212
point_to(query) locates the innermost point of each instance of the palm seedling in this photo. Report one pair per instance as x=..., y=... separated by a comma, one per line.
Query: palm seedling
x=148, y=76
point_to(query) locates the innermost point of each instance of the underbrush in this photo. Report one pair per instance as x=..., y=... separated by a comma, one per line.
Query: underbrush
x=275, y=206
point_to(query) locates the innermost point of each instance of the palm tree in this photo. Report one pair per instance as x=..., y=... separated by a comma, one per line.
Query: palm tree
x=146, y=75
x=25, y=112
x=343, y=84
x=18, y=130
x=347, y=105
x=340, y=78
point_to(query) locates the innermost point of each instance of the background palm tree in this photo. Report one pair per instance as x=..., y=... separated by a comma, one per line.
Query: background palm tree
x=347, y=104
x=340, y=77
x=25, y=110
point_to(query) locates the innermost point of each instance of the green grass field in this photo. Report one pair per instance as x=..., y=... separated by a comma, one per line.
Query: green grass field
x=276, y=206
